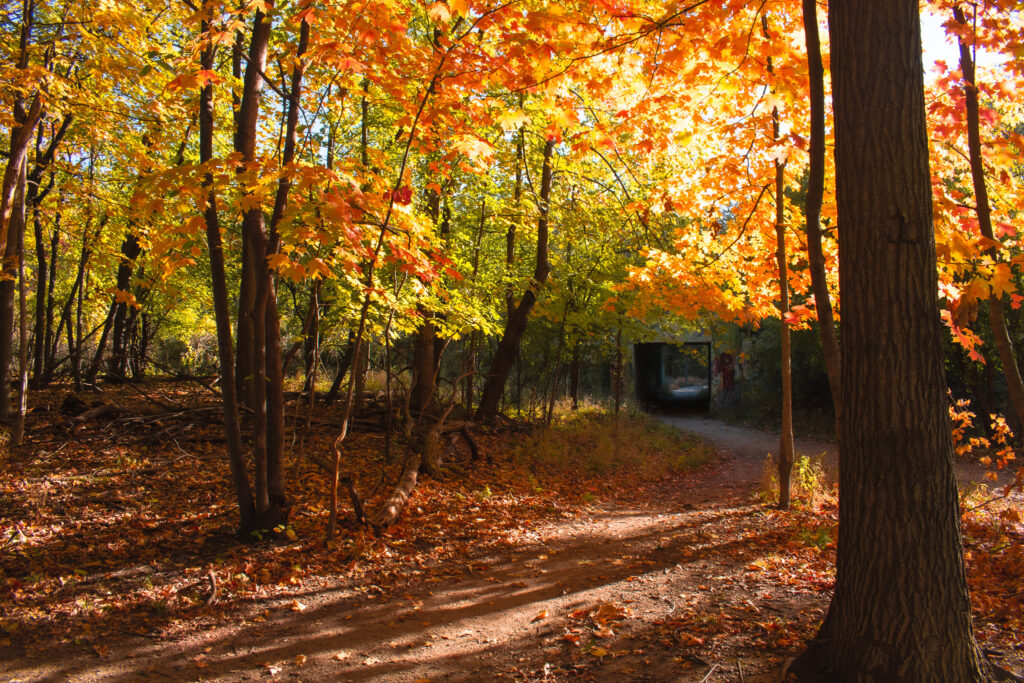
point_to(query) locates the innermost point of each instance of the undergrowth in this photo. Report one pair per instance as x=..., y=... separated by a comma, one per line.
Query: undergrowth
x=593, y=441
x=810, y=484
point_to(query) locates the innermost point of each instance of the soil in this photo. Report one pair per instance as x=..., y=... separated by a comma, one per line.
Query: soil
x=684, y=580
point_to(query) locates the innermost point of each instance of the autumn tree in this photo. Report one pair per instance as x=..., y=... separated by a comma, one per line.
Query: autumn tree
x=900, y=609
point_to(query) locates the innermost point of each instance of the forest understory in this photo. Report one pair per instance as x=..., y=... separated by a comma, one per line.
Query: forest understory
x=602, y=548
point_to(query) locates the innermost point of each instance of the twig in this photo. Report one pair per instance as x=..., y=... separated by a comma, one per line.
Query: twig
x=708, y=674
x=213, y=588
x=739, y=667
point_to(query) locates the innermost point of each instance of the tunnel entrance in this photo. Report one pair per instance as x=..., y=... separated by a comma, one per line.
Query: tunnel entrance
x=673, y=376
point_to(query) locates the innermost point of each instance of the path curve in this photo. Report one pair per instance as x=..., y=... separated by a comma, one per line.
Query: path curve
x=749, y=448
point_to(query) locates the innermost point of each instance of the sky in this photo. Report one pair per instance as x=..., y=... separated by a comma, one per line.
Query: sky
x=938, y=46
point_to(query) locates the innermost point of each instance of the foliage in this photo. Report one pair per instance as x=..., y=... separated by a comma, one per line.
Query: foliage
x=595, y=442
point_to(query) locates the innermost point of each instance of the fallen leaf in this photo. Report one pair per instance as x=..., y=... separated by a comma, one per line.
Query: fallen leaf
x=300, y=660
x=541, y=616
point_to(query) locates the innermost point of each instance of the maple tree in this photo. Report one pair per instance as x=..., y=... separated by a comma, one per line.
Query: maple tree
x=469, y=209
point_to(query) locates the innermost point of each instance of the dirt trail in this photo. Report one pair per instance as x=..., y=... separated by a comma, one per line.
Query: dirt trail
x=669, y=584
x=750, y=447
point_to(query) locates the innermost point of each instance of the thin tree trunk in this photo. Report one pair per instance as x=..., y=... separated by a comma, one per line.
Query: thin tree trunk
x=997, y=311
x=222, y=315
x=494, y=385
x=18, y=434
x=812, y=210
x=786, y=448
x=8, y=283
x=900, y=610
x=51, y=302
x=344, y=364
x=574, y=377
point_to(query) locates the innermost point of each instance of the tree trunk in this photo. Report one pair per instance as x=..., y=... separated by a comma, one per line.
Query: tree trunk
x=39, y=338
x=423, y=387
x=222, y=315
x=130, y=251
x=900, y=611
x=51, y=301
x=812, y=208
x=997, y=312
x=344, y=364
x=8, y=283
x=34, y=197
x=786, y=449
x=425, y=358
x=260, y=349
x=18, y=434
x=117, y=317
x=494, y=386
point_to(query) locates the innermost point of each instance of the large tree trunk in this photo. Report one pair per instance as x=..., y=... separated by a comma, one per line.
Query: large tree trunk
x=494, y=385
x=258, y=350
x=900, y=611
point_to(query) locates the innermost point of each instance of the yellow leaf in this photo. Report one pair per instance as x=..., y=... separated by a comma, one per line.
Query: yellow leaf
x=462, y=7
x=300, y=660
x=599, y=652
x=542, y=615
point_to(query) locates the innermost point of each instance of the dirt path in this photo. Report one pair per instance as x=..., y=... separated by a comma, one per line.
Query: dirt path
x=750, y=447
x=659, y=586
x=687, y=580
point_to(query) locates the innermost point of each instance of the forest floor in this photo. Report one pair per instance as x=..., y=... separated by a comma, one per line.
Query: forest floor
x=602, y=550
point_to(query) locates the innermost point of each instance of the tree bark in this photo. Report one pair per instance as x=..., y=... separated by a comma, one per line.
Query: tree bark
x=900, y=611
x=505, y=355
x=423, y=390
x=997, y=311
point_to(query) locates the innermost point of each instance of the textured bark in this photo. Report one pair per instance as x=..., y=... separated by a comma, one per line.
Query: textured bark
x=900, y=611
x=424, y=355
x=997, y=311
x=505, y=355
x=812, y=208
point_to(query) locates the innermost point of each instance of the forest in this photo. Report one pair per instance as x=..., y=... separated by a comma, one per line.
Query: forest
x=329, y=331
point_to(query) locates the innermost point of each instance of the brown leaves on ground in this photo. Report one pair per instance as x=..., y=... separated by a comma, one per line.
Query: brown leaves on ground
x=125, y=528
